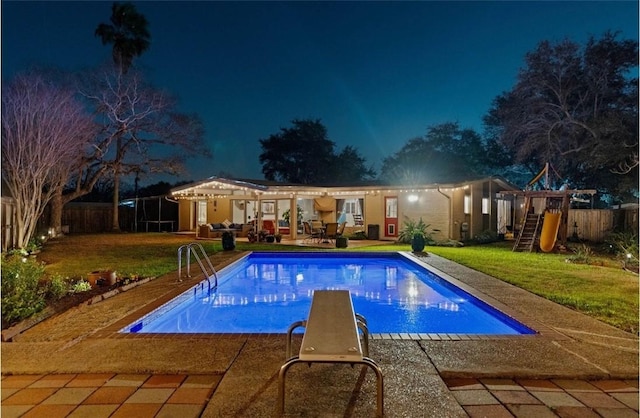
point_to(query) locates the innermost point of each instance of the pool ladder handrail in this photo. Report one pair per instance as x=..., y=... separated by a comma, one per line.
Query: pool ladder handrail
x=194, y=247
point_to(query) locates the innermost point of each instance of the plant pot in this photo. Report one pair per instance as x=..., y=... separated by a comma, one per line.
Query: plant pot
x=102, y=278
x=270, y=238
x=278, y=238
x=417, y=243
x=342, y=242
x=228, y=241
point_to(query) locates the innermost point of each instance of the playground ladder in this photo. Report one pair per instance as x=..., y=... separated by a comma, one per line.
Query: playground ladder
x=200, y=255
x=528, y=234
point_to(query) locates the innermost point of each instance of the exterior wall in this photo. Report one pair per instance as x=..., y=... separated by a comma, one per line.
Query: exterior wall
x=218, y=210
x=458, y=217
x=432, y=206
x=184, y=215
x=374, y=212
x=476, y=219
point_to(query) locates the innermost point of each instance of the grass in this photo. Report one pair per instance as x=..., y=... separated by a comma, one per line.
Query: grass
x=603, y=291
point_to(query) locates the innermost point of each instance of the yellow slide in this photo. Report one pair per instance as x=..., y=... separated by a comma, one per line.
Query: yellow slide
x=549, y=232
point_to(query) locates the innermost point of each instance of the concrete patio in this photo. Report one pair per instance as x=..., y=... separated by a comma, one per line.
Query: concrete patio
x=425, y=375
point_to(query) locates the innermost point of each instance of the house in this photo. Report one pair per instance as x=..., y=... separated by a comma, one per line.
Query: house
x=454, y=211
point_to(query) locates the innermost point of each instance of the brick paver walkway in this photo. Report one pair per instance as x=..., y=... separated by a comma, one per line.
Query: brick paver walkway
x=498, y=398
x=186, y=396
x=106, y=395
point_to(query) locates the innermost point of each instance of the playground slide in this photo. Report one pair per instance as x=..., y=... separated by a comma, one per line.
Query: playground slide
x=549, y=232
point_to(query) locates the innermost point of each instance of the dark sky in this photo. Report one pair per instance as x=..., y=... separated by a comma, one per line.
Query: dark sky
x=376, y=73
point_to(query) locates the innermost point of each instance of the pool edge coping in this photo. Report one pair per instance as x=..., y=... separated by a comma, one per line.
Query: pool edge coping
x=541, y=331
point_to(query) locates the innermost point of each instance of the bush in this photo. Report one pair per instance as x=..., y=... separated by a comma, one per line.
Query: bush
x=57, y=287
x=625, y=246
x=411, y=228
x=358, y=235
x=81, y=286
x=486, y=237
x=21, y=293
x=582, y=255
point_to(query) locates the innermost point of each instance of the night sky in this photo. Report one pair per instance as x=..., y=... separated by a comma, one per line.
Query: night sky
x=376, y=73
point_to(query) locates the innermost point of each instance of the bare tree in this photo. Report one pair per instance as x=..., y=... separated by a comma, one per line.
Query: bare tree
x=142, y=132
x=45, y=131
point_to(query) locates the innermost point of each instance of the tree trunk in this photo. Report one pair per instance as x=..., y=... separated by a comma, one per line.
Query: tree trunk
x=55, y=217
x=116, y=198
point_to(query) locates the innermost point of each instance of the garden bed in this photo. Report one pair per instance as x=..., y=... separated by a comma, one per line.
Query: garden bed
x=67, y=302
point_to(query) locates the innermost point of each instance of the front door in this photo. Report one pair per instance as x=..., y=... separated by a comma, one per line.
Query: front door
x=391, y=216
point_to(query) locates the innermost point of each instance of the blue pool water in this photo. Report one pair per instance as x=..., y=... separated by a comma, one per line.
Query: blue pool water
x=266, y=292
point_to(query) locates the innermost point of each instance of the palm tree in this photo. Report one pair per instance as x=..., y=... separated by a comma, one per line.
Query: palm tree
x=127, y=32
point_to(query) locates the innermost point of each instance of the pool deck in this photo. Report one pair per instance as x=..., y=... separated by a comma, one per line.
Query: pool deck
x=75, y=364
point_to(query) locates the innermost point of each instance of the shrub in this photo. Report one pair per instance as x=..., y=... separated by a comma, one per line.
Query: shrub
x=486, y=237
x=57, y=287
x=81, y=286
x=582, y=255
x=625, y=246
x=21, y=293
x=358, y=235
x=411, y=228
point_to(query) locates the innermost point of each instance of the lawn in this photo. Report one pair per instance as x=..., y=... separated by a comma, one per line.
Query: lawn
x=604, y=291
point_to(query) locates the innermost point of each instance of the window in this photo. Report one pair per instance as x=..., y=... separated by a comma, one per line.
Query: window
x=485, y=205
x=202, y=212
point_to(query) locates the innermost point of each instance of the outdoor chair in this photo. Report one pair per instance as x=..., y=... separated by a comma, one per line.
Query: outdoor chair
x=331, y=231
x=269, y=225
x=341, y=228
x=309, y=232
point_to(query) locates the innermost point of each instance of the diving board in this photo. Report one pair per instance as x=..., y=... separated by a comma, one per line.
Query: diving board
x=331, y=336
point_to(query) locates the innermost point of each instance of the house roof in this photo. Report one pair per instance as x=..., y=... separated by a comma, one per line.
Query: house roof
x=219, y=186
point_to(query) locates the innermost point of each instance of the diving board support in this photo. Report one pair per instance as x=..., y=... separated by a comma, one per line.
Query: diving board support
x=331, y=336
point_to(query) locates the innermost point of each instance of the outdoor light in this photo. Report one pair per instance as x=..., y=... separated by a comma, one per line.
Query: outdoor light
x=628, y=256
x=412, y=198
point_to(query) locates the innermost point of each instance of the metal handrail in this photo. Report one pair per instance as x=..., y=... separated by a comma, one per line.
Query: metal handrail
x=194, y=247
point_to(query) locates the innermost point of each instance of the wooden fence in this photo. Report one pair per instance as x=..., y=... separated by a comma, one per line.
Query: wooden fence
x=8, y=223
x=91, y=218
x=590, y=224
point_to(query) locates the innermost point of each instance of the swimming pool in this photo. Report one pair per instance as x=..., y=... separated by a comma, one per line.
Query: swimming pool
x=265, y=292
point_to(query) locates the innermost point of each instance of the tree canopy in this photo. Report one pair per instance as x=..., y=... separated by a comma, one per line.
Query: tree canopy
x=127, y=33
x=304, y=154
x=446, y=153
x=575, y=107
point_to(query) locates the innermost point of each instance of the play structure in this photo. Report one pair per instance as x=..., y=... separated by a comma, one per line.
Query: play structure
x=543, y=224
x=549, y=233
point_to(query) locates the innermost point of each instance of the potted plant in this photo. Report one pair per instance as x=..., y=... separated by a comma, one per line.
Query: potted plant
x=102, y=277
x=286, y=215
x=418, y=242
x=228, y=241
x=278, y=237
